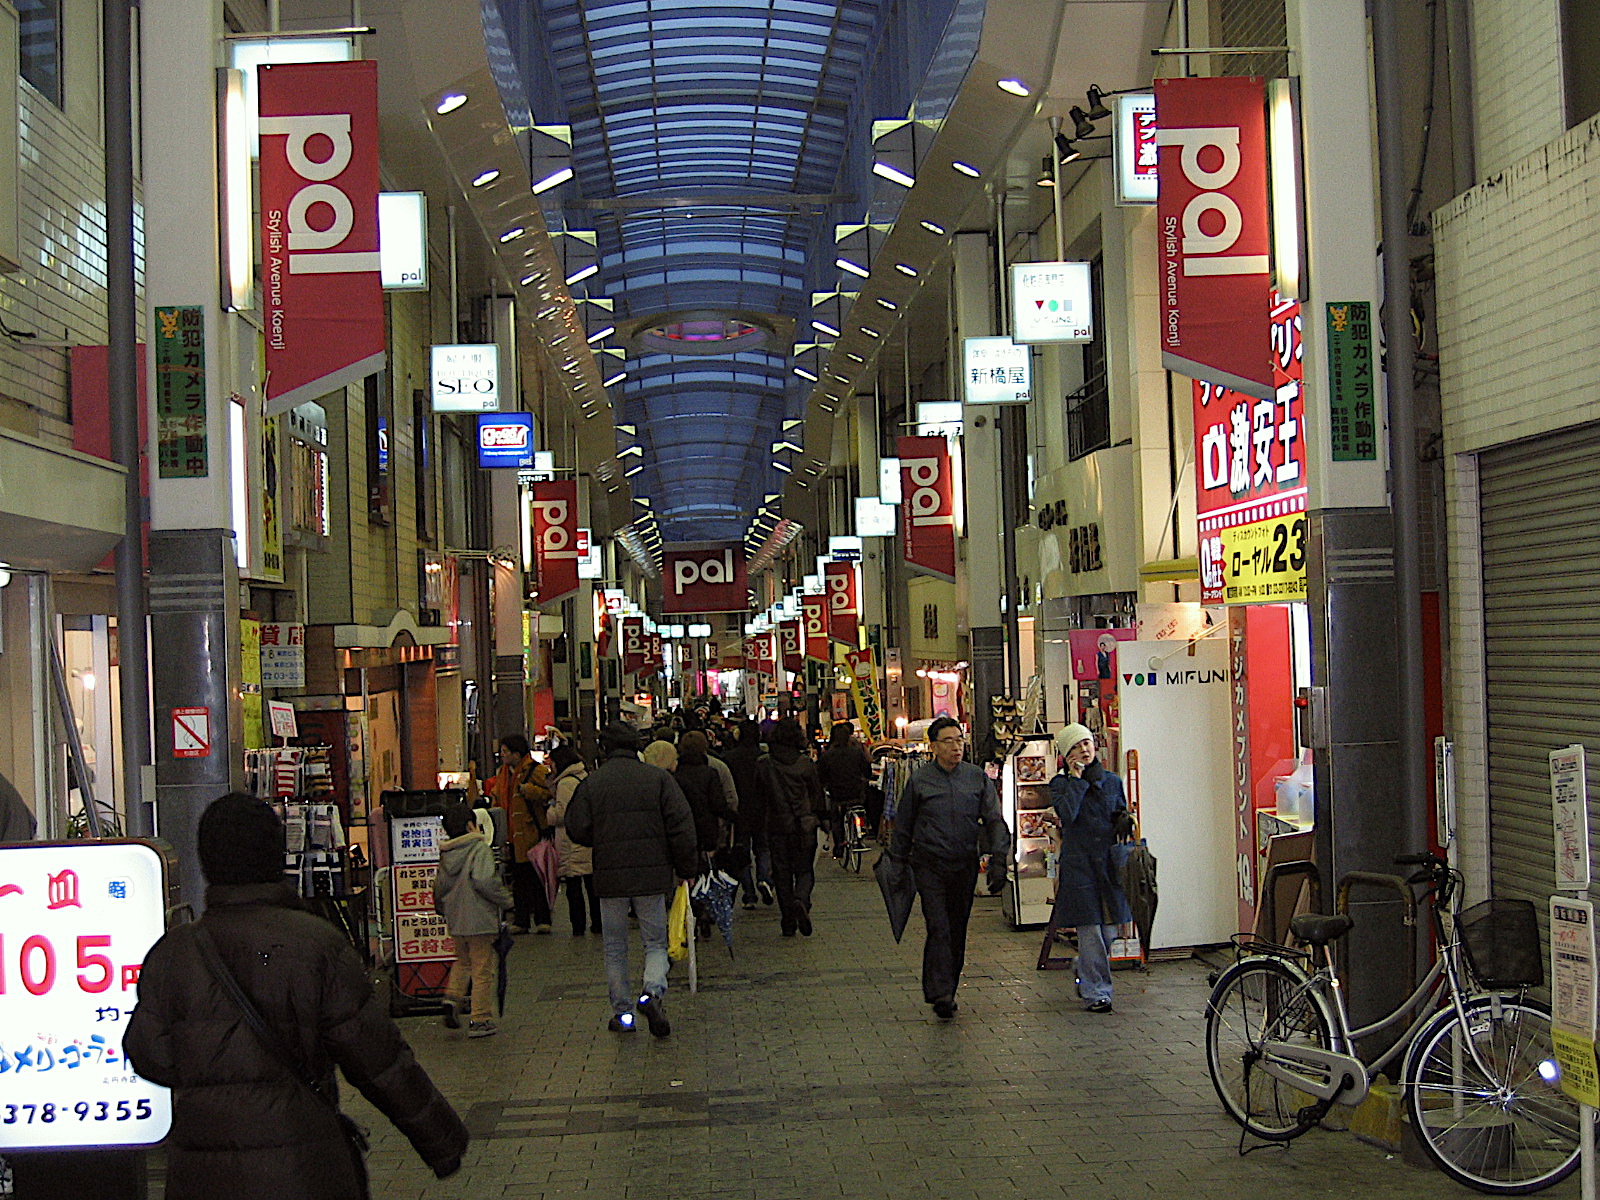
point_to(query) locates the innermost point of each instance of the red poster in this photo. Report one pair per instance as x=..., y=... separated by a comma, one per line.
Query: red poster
x=1213, y=236
x=839, y=580
x=635, y=645
x=705, y=578
x=927, y=506
x=790, y=639
x=555, y=538
x=814, y=626
x=321, y=295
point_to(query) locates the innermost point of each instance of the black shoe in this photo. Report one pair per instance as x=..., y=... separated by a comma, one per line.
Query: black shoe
x=788, y=931
x=944, y=1009
x=655, y=1014
x=621, y=1023
x=764, y=889
x=1099, y=1006
x=805, y=925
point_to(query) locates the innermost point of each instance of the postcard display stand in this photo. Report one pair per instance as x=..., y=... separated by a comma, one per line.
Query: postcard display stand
x=1025, y=799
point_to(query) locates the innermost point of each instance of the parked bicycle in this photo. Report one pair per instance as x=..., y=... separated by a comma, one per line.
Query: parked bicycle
x=1478, y=1072
x=855, y=839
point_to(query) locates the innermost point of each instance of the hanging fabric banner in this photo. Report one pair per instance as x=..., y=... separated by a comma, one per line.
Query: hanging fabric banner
x=839, y=580
x=321, y=290
x=864, y=688
x=657, y=656
x=791, y=640
x=635, y=645
x=555, y=538
x=814, y=627
x=927, y=506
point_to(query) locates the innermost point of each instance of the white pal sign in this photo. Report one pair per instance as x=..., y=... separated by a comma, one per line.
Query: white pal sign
x=76, y=921
x=1569, y=800
x=1051, y=302
x=996, y=370
x=465, y=378
x=403, y=241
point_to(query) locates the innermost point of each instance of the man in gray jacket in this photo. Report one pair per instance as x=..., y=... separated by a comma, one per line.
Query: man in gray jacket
x=642, y=830
x=948, y=815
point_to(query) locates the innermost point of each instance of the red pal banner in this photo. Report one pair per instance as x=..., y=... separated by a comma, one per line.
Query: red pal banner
x=321, y=294
x=633, y=645
x=927, y=506
x=839, y=582
x=658, y=656
x=555, y=538
x=791, y=639
x=1213, y=234
x=704, y=578
x=814, y=627
x=758, y=655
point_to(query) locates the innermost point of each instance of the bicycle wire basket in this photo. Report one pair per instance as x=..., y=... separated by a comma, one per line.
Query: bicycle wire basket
x=1501, y=941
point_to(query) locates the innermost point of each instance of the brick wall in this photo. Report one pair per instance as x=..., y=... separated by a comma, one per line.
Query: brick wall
x=1516, y=76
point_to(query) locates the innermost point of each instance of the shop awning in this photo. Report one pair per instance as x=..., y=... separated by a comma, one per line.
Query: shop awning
x=60, y=510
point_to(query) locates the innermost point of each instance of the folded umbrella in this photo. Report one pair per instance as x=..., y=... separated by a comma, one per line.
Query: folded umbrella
x=544, y=858
x=1139, y=885
x=502, y=946
x=899, y=890
x=714, y=890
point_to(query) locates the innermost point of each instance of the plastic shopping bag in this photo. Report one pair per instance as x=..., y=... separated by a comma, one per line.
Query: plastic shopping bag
x=678, y=924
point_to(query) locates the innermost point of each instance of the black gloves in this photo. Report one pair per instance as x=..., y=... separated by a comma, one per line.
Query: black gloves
x=997, y=878
x=1122, y=825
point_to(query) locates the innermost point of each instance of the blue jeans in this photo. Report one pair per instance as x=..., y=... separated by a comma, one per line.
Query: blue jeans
x=760, y=867
x=652, y=912
x=1094, y=962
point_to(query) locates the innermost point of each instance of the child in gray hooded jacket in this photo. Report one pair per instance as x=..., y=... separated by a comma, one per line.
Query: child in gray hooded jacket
x=468, y=894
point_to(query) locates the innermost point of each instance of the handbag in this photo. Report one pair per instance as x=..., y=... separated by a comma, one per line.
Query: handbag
x=678, y=924
x=355, y=1137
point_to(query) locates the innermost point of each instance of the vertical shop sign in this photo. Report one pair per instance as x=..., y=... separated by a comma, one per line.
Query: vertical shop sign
x=658, y=657
x=271, y=524
x=251, y=722
x=1213, y=235
x=814, y=624
x=635, y=648
x=321, y=287
x=1244, y=817
x=839, y=585
x=1352, y=383
x=555, y=538
x=927, y=506
x=864, y=687
x=790, y=639
x=182, y=440
x=283, y=654
x=1250, y=479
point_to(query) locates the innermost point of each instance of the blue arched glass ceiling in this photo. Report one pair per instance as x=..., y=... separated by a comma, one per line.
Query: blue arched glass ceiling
x=669, y=101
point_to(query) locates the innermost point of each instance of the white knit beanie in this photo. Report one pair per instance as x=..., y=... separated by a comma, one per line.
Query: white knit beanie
x=1070, y=736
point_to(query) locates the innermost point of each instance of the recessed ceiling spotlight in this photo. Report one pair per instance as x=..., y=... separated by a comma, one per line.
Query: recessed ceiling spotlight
x=449, y=102
x=870, y=332
x=1015, y=86
x=932, y=227
x=854, y=357
x=967, y=169
x=889, y=304
x=511, y=235
x=486, y=178
x=906, y=269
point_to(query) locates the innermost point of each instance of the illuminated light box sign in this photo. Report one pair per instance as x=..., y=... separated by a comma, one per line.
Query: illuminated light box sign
x=505, y=440
x=465, y=378
x=403, y=241
x=1051, y=302
x=996, y=370
x=1134, y=148
x=76, y=921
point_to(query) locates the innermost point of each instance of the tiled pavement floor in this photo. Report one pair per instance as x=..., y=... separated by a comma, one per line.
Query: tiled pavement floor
x=809, y=1067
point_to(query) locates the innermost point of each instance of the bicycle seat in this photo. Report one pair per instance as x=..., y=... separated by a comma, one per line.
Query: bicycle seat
x=1315, y=930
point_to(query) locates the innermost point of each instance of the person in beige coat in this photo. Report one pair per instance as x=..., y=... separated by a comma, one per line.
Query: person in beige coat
x=575, y=866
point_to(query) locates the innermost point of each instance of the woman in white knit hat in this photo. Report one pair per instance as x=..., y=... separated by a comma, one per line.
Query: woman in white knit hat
x=1092, y=811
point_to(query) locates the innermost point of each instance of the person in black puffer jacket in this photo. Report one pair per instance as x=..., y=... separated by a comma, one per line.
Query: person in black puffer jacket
x=702, y=787
x=642, y=830
x=787, y=780
x=243, y=1125
x=750, y=826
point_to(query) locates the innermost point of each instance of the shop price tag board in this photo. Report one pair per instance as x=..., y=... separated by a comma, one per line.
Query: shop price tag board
x=1569, y=801
x=1572, y=997
x=420, y=934
x=76, y=921
x=1265, y=562
x=280, y=713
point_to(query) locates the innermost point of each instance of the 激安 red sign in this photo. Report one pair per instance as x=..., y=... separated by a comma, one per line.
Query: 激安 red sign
x=635, y=644
x=839, y=585
x=555, y=538
x=927, y=506
x=814, y=626
x=1213, y=237
x=705, y=578
x=321, y=292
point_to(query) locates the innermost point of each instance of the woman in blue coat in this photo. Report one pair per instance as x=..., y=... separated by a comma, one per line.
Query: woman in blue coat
x=1092, y=812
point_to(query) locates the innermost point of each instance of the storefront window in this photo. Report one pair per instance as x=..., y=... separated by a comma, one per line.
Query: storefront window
x=25, y=758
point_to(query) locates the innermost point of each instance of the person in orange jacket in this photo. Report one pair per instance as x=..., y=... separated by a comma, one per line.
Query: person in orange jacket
x=521, y=787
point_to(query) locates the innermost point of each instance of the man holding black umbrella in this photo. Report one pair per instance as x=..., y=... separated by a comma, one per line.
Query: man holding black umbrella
x=948, y=815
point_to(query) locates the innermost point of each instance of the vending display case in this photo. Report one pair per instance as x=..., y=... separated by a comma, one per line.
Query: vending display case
x=1025, y=800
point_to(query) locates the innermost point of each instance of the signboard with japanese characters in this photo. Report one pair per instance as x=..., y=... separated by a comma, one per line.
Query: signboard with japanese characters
x=1051, y=302
x=865, y=691
x=182, y=444
x=1352, y=383
x=1572, y=996
x=420, y=934
x=1569, y=803
x=1133, y=145
x=415, y=839
x=996, y=370
x=1250, y=480
x=844, y=610
x=791, y=643
x=76, y=921
x=283, y=654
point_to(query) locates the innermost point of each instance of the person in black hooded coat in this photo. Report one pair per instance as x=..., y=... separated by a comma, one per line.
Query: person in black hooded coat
x=787, y=781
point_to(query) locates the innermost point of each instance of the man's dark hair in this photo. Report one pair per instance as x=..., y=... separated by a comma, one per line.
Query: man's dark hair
x=840, y=734
x=516, y=743
x=562, y=757
x=787, y=732
x=618, y=735
x=240, y=840
x=940, y=724
x=457, y=820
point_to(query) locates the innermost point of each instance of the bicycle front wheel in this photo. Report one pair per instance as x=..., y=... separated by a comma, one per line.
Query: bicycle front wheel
x=1504, y=1126
x=1255, y=1001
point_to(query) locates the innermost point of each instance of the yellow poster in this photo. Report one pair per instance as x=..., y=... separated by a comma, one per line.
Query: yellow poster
x=1579, y=1078
x=1265, y=562
x=255, y=735
x=271, y=527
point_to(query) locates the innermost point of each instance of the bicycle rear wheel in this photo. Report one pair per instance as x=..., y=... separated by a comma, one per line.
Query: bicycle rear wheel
x=1509, y=1131
x=1257, y=1000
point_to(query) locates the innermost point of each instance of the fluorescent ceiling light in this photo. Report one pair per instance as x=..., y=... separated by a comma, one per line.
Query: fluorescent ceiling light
x=892, y=173
x=870, y=332
x=824, y=327
x=579, y=276
x=615, y=379
x=889, y=304
x=627, y=450
x=526, y=280
x=1015, y=86
x=555, y=179
x=844, y=264
x=632, y=471
x=512, y=234
x=601, y=333
x=486, y=178
x=967, y=169
x=805, y=374
x=782, y=466
x=906, y=269
x=450, y=102
x=854, y=357
x=932, y=227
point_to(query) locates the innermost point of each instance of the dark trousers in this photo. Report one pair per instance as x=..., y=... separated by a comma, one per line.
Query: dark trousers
x=946, y=890
x=580, y=887
x=794, y=866
x=528, y=896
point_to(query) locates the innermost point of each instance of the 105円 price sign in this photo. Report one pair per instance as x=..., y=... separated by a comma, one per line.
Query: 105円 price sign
x=76, y=921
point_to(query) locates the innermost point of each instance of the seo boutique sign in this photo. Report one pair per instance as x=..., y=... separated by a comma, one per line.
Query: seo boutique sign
x=465, y=378
x=76, y=921
x=704, y=578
